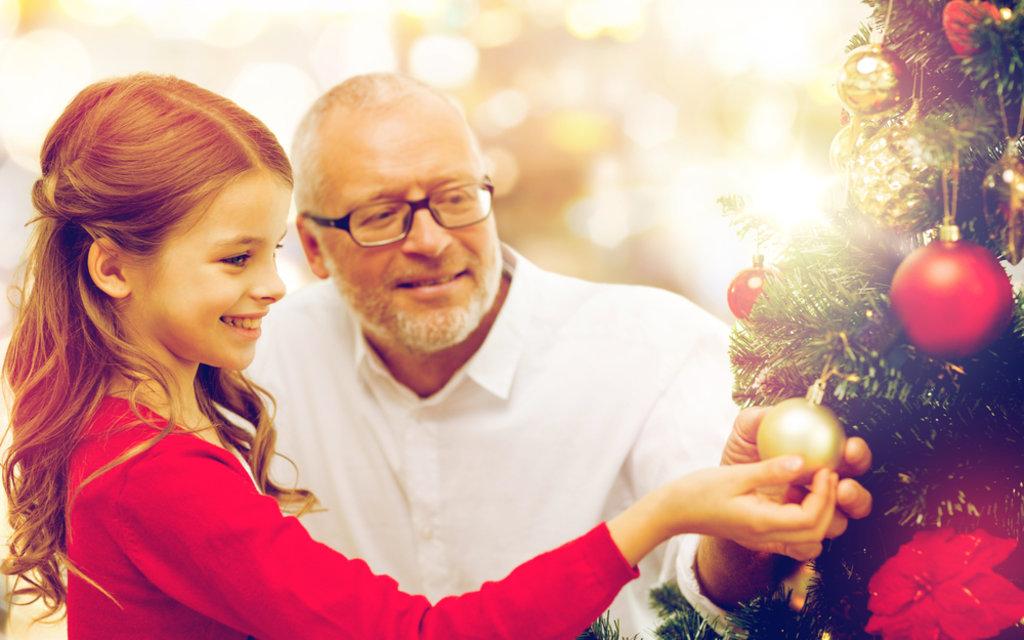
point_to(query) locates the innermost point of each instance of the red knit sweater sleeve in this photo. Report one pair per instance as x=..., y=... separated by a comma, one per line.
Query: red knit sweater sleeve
x=187, y=516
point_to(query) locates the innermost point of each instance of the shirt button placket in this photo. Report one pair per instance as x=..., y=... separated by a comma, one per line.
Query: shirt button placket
x=425, y=499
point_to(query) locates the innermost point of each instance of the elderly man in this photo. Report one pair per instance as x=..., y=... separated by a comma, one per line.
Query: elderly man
x=456, y=408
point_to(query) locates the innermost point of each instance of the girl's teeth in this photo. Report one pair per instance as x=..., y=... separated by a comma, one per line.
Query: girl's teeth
x=245, y=323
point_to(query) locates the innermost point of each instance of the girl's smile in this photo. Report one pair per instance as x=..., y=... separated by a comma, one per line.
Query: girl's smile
x=247, y=326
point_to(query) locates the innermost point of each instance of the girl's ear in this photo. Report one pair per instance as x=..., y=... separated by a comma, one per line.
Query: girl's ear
x=107, y=269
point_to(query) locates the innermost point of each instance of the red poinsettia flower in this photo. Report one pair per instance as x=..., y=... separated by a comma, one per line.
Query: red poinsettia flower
x=941, y=585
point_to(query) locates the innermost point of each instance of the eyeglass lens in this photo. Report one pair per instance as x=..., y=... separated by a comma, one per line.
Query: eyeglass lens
x=452, y=208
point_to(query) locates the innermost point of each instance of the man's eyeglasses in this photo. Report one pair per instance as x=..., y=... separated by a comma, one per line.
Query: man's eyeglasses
x=373, y=225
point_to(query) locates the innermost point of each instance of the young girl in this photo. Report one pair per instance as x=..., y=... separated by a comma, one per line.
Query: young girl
x=136, y=498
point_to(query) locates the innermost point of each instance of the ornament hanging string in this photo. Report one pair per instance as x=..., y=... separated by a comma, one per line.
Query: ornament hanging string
x=1002, y=112
x=951, y=175
x=757, y=244
x=917, y=92
x=885, y=27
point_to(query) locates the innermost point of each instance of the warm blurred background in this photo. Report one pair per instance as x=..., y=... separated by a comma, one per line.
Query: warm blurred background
x=613, y=125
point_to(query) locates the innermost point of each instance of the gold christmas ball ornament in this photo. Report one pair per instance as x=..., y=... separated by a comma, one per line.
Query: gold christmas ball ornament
x=892, y=182
x=1003, y=190
x=873, y=81
x=840, y=153
x=800, y=427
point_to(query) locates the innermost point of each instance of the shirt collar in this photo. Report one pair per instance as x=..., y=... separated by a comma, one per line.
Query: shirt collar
x=360, y=348
x=493, y=366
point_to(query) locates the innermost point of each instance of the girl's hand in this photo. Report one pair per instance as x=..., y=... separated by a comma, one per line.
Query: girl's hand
x=750, y=504
x=726, y=502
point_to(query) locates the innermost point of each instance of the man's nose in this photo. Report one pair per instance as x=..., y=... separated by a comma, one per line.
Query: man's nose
x=426, y=236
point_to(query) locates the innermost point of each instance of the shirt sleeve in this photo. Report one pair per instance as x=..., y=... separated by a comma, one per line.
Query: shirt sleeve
x=194, y=524
x=682, y=567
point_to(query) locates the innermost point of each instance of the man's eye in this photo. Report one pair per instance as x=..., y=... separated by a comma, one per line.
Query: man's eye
x=379, y=216
x=237, y=261
x=459, y=198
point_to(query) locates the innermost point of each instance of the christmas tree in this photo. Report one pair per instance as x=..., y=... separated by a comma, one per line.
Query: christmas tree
x=896, y=314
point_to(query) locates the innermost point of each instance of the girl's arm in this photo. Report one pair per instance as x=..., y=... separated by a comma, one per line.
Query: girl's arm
x=188, y=518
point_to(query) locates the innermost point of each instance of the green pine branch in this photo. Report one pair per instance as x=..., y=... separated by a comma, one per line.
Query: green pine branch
x=947, y=435
x=604, y=628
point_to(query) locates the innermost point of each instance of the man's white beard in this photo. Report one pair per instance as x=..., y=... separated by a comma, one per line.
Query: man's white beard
x=425, y=332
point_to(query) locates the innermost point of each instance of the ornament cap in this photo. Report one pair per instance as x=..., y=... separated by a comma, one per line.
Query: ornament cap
x=949, y=233
x=816, y=392
x=1010, y=151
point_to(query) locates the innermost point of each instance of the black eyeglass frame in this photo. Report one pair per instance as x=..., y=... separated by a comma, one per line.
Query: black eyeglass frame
x=415, y=205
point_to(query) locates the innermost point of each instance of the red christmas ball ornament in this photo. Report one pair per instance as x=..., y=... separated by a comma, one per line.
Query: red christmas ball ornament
x=952, y=296
x=960, y=17
x=747, y=286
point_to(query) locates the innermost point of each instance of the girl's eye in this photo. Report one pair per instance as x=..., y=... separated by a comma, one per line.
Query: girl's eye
x=237, y=261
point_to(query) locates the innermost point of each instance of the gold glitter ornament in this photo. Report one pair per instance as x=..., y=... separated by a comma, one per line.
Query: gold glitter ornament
x=873, y=81
x=890, y=180
x=1003, y=190
x=840, y=152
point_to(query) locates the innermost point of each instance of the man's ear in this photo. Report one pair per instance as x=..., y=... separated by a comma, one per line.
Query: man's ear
x=107, y=269
x=312, y=248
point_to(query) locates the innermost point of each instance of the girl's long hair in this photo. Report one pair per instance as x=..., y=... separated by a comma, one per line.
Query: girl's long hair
x=127, y=160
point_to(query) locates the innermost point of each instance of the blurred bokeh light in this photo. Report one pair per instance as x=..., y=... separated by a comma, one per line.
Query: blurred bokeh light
x=40, y=72
x=611, y=128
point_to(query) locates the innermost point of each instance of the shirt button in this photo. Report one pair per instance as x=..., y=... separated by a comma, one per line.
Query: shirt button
x=426, y=531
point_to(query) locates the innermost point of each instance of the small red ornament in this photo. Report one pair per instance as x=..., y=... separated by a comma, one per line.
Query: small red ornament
x=960, y=17
x=943, y=585
x=746, y=287
x=952, y=296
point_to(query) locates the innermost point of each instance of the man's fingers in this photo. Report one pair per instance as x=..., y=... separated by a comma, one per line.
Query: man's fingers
x=853, y=499
x=741, y=446
x=747, y=422
x=856, y=457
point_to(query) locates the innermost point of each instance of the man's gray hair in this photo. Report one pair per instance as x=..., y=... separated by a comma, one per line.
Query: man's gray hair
x=365, y=92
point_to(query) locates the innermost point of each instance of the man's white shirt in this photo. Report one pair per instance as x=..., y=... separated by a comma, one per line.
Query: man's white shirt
x=583, y=398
